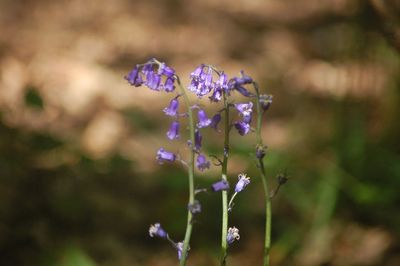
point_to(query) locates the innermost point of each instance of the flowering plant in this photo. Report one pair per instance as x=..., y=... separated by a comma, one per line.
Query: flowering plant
x=208, y=81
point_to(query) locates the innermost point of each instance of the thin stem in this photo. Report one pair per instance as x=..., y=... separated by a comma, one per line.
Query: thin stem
x=224, y=229
x=267, y=243
x=231, y=201
x=190, y=176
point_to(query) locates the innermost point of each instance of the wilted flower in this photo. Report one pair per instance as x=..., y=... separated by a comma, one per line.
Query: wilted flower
x=204, y=121
x=242, y=183
x=195, y=207
x=179, y=248
x=233, y=234
x=220, y=185
x=202, y=162
x=173, y=132
x=165, y=156
x=157, y=230
x=172, y=108
x=260, y=152
x=242, y=127
x=265, y=101
x=197, y=140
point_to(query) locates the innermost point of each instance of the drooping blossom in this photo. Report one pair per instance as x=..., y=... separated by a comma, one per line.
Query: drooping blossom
x=157, y=230
x=195, y=207
x=215, y=121
x=134, y=77
x=243, y=128
x=204, y=121
x=165, y=156
x=242, y=183
x=197, y=140
x=265, y=101
x=172, y=108
x=173, y=132
x=202, y=163
x=220, y=185
x=233, y=234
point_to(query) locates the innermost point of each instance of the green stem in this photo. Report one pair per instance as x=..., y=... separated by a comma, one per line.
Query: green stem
x=190, y=175
x=268, y=214
x=224, y=244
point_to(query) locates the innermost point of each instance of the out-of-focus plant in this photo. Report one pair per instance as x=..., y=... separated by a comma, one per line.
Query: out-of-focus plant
x=207, y=80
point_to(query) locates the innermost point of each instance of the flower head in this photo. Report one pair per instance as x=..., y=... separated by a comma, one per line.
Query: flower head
x=173, y=132
x=165, y=70
x=233, y=234
x=153, y=80
x=165, y=156
x=204, y=121
x=201, y=80
x=202, y=162
x=220, y=185
x=242, y=127
x=169, y=85
x=242, y=183
x=237, y=83
x=157, y=230
x=260, y=151
x=172, y=107
x=179, y=248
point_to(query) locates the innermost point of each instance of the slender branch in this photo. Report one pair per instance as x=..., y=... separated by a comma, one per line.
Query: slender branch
x=190, y=164
x=267, y=243
x=224, y=232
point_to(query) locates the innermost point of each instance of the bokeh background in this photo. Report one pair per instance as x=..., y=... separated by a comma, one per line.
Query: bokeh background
x=79, y=184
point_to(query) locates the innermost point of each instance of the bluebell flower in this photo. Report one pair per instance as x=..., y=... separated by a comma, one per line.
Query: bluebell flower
x=153, y=80
x=196, y=74
x=216, y=96
x=173, y=132
x=243, y=91
x=197, y=140
x=157, y=230
x=215, y=120
x=172, y=108
x=169, y=85
x=220, y=185
x=237, y=83
x=134, y=77
x=222, y=82
x=260, y=152
x=165, y=156
x=165, y=70
x=242, y=183
x=195, y=207
x=204, y=121
x=233, y=234
x=201, y=81
x=265, y=101
x=245, y=109
x=202, y=162
x=243, y=128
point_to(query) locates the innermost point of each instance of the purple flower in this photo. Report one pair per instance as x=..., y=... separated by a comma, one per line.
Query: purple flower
x=243, y=91
x=222, y=82
x=134, y=77
x=242, y=183
x=157, y=230
x=165, y=70
x=179, y=248
x=243, y=128
x=220, y=185
x=196, y=74
x=165, y=156
x=172, y=108
x=233, y=234
x=216, y=96
x=265, y=101
x=215, y=120
x=197, y=140
x=204, y=121
x=169, y=85
x=173, y=132
x=245, y=109
x=202, y=162
x=195, y=207
x=153, y=80
x=238, y=82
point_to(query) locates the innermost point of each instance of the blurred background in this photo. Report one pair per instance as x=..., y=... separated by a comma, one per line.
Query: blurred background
x=79, y=184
